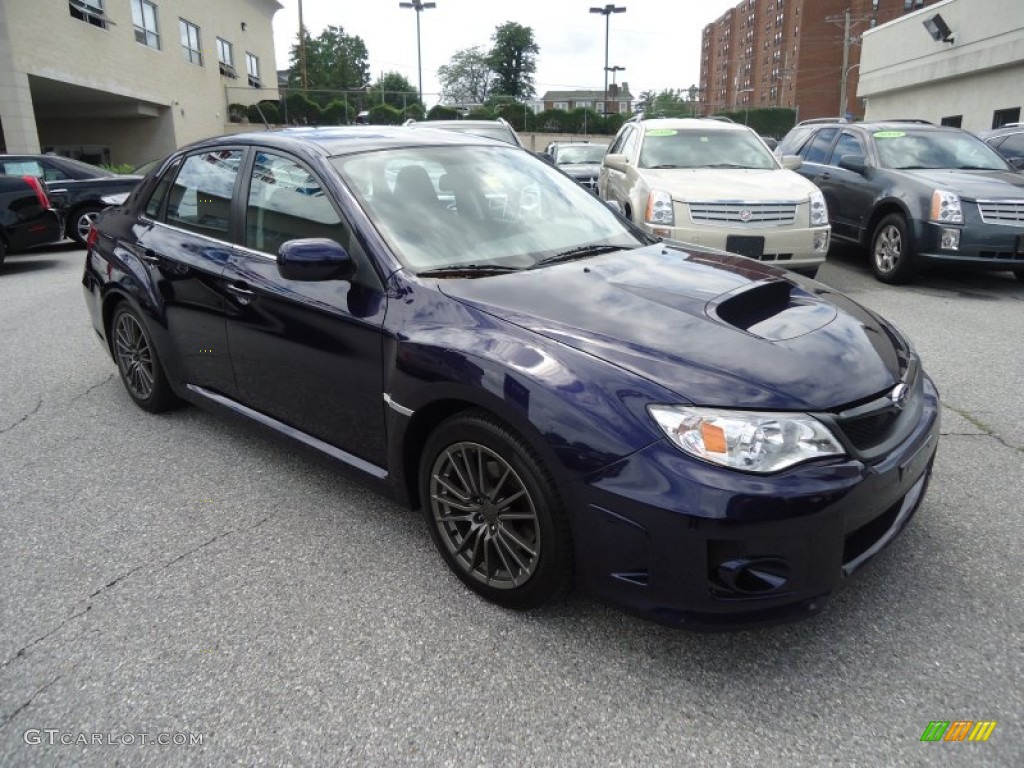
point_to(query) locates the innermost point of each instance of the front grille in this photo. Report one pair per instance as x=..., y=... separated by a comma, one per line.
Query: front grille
x=1009, y=212
x=772, y=214
x=867, y=431
x=873, y=427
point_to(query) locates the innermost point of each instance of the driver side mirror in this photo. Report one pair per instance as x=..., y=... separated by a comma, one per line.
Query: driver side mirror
x=791, y=162
x=314, y=259
x=617, y=162
x=853, y=163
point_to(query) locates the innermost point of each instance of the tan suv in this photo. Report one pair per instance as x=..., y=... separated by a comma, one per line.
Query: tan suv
x=716, y=183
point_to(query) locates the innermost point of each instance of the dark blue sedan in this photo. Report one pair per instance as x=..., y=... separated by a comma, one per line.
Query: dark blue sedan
x=694, y=436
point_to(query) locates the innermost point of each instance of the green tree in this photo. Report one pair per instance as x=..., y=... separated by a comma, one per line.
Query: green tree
x=645, y=101
x=513, y=59
x=334, y=61
x=394, y=90
x=466, y=79
x=670, y=103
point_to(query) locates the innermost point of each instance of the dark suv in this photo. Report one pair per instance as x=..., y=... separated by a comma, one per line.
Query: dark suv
x=915, y=194
x=1008, y=141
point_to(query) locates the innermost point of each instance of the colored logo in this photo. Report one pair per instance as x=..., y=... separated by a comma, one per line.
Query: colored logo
x=958, y=730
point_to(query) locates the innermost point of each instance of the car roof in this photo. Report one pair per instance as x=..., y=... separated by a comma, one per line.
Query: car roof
x=343, y=140
x=690, y=124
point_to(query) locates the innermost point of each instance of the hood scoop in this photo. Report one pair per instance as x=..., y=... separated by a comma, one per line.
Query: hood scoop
x=774, y=310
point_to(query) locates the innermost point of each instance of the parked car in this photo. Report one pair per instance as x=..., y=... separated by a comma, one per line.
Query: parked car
x=499, y=129
x=700, y=438
x=916, y=194
x=1008, y=141
x=76, y=188
x=581, y=160
x=714, y=183
x=26, y=218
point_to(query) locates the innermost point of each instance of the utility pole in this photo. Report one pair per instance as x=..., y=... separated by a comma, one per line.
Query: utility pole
x=848, y=39
x=302, y=47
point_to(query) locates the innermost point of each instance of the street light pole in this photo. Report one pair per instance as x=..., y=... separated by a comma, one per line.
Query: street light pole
x=419, y=7
x=607, y=11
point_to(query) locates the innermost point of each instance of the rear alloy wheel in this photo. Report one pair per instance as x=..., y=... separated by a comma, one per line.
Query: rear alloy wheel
x=892, y=251
x=494, y=513
x=81, y=222
x=137, y=361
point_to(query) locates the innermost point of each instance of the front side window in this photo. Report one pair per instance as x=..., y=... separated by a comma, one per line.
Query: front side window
x=89, y=11
x=144, y=19
x=226, y=57
x=190, y=43
x=200, y=198
x=848, y=144
x=478, y=207
x=252, y=68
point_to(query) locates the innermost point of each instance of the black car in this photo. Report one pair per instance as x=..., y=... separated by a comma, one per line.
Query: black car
x=26, y=218
x=76, y=189
x=581, y=160
x=699, y=437
x=916, y=194
x=1008, y=141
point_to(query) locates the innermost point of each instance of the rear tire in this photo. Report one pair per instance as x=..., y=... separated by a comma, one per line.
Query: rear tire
x=141, y=372
x=494, y=513
x=892, y=252
x=80, y=221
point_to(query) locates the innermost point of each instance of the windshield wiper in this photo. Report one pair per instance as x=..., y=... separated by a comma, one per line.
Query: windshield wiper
x=666, y=165
x=730, y=165
x=977, y=168
x=584, y=251
x=467, y=270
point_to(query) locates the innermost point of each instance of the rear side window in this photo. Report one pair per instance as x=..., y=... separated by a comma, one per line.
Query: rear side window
x=848, y=144
x=817, y=150
x=200, y=197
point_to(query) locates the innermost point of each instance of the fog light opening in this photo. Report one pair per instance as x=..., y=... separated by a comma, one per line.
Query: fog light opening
x=821, y=241
x=949, y=239
x=754, y=575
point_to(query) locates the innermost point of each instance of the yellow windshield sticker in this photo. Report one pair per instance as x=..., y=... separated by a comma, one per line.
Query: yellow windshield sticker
x=662, y=132
x=704, y=139
x=890, y=134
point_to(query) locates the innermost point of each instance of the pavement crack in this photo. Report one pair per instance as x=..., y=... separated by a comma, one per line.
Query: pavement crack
x=986, y=430
x=216, y=538
x=94, y=386
x=120, y=578
x=22, y=651
x=28, y=703
x=24, y=418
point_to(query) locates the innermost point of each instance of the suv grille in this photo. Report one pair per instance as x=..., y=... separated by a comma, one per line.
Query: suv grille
x=772, y=214
x=1002, y=211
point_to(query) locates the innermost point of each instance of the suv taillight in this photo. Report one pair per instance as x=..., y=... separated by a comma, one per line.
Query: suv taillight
x=93, y=236
x=37, y=187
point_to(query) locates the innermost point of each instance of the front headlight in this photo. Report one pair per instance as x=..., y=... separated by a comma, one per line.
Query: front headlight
x=946, y=207
x=660, y=212
x=819, y=211
x=750, y=441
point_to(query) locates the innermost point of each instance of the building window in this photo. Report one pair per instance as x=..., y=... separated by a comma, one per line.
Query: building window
x=1003, y=117
x=252, y=68
x=144, y=19
x=89, y=11
x=190, y=44
x=954, y=121
x=561, y=105
x=226, y=58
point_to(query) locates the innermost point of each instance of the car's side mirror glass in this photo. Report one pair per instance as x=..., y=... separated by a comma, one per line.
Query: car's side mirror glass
x=791, y=162
x=853, y=163
x=314, y=259
x=618, y=162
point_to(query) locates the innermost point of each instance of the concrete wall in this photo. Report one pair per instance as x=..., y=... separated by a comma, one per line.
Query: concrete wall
x=905, y=73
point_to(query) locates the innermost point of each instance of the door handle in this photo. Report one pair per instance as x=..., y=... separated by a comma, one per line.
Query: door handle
x=151, y=257
x=242, y=293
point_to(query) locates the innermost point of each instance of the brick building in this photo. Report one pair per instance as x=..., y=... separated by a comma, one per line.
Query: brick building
x=789, y=53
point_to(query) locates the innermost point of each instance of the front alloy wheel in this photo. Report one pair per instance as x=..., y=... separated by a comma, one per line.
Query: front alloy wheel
x=891, y=250
x=494, y=513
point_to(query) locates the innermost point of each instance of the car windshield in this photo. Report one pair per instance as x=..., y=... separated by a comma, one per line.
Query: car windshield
x=909, y=149
x=492, y=131
x=581, y=154
x=672, y=148
x=479, y=207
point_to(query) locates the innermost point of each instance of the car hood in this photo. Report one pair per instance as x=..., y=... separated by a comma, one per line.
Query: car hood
x=715, y=329
x=746, y=184
x=973, y=185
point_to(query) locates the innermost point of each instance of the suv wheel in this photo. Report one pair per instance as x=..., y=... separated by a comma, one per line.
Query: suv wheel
x=891, y=250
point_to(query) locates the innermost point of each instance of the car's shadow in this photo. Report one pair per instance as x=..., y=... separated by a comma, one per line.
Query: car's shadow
x=14, y=266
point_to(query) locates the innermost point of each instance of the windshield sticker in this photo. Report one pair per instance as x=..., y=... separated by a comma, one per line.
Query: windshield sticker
x=703, y=139
x=890, y=134
x=662, y=132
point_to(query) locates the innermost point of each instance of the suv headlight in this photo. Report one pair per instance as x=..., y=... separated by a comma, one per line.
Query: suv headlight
x=746, y=440
x=946, y=207
x=819, y=211
x=660, y=212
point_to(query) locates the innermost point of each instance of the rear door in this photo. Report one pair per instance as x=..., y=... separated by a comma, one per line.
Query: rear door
x=308, y=354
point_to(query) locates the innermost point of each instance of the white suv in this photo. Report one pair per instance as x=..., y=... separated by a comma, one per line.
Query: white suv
x=716, y=184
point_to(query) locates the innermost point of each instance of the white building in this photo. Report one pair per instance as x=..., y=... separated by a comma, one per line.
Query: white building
x=965, y=68
x=124, y=81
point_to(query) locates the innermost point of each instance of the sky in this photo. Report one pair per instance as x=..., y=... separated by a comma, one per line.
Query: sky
x=657, y=41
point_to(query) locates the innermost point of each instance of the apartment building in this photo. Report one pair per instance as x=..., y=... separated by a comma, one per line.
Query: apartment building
x=125, y=81
x=790, y=53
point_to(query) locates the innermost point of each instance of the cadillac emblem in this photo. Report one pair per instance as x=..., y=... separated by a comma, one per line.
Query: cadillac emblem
x=745, y=214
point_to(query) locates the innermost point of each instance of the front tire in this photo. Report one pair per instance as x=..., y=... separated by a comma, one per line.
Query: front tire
x=80, y=222
x=494, y=513
x=137, y=362
x=892, y=251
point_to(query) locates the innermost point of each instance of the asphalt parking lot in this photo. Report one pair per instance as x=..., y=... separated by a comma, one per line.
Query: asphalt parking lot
x=187, y=578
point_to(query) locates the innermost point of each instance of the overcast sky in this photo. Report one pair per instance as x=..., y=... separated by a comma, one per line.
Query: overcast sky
x=657, y=41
